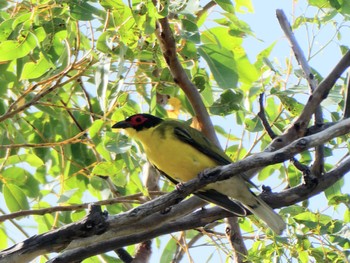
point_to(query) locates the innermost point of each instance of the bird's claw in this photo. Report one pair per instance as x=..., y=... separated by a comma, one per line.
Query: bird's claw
x=179, y=187
x=205, y=174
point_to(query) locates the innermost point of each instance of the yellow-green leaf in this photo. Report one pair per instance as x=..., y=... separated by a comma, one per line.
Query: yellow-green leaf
x=33, y=70
x=15, y=198
x=12, y=49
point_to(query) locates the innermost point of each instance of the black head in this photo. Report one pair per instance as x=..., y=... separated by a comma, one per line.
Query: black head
x=138, y=122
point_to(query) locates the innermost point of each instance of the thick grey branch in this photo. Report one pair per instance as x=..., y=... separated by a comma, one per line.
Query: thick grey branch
x=143, y=222
x=298, y=52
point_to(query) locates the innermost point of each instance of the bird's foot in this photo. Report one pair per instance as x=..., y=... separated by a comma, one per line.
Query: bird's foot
x=266, y=189
x=179, y=187
x=310, y=181
x=209, y=175
x=205, y=174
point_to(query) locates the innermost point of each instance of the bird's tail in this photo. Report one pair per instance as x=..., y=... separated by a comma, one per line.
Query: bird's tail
x=266, y=213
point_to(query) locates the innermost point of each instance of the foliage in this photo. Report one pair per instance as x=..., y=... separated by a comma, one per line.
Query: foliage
x=70, y=69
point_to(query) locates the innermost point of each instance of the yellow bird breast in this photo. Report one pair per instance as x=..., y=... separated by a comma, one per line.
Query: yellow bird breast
x=177, y=159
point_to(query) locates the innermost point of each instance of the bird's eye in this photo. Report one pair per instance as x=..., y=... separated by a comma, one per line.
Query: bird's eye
x=138, y=119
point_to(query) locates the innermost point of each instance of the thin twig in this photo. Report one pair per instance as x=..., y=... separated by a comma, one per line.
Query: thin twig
x=205, y=9
x=347, y=99
x=136, y=199
x=318, y=165
x=262, y=116
x=298, y=52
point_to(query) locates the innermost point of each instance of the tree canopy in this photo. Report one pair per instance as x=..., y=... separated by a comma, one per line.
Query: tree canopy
x=69, y=184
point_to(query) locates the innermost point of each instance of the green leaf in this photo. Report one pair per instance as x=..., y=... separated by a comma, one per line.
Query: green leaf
x=5, y=29
x=347, y=216
x=67, y=195
x=78, y=215
x=291, y=104
x=222, y=37
x=253, y=125
x=117, y=142
x=108, y=4
x=81, y=10
x=334, y=189
x=264, y=54
x=21, y=19
x=303, y=256
x=3, y=239
x=103, y=42
x=31, y=159
x=246, y=71
x=168, y=252
x=229, y=101
x=15, y=198
x=320, y=3
x=312, y=220
x=190, y=31
x=96, y=128
x=12, y=49
x=105, y=169
x=101, y=80
x=221, y=63
x=335, y=4
x=294, y=176
x=244, y=6
x=15, y=175
x=226, y=5
x=33, y=70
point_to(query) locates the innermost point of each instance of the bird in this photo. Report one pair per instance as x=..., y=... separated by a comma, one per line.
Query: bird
x=181, y=153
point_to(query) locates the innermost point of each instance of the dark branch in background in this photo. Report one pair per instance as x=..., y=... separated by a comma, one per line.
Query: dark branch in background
x=299, y=127
x=322, y=92
x=301, y=167
x=347, y=99
x=234, y=234
x=168, y=46
x=87, y=98
x=318, y=166
x=125, y=199
x=262, y=116
x=205, y=9
x=124, y=255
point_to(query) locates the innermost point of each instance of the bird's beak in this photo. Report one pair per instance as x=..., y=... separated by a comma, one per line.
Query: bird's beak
x=121, y=125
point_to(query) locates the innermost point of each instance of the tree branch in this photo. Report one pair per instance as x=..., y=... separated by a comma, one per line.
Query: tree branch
x=299, y=127
x=298, y=52
x=143, y=222
x=318, y=166
x=168, y=46
x=125, y=199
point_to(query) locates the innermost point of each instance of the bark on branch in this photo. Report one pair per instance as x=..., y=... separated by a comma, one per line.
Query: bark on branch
x=90, y=237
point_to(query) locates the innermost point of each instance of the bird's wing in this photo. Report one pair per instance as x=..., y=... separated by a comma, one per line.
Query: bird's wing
x=198, y=141
x=202, y=144
x=223, y=201
x=216, y=198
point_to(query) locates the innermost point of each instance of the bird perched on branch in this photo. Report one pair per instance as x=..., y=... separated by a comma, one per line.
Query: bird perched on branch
x=181, y=152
